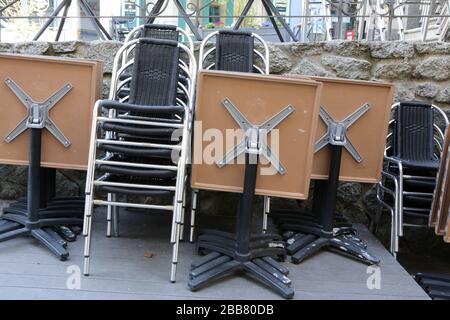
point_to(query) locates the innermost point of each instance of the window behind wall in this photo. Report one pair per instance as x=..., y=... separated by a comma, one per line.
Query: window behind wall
x=214, y=13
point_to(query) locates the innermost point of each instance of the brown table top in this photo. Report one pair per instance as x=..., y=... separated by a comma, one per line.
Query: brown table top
x=435, y=207
x=341, y=97
x=258, y=97
x=442, y=197
x=40, y=77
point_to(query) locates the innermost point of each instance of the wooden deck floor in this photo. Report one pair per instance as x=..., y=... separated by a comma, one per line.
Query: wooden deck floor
x=122, y=269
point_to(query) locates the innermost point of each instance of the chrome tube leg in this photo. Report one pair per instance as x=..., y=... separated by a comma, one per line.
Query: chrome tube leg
x=173, y=270
x=193, y=213
x=266, y=213
x=176, y=218
x=115, y=215
x=178, y=207
x=400, y=200
x=109, y=217
x=183, y=211
x=393, y=226
x=396, y=230
x=89, y=200
x=109, y=209
x=87, y=233
x=174, y=221
x=87, y=215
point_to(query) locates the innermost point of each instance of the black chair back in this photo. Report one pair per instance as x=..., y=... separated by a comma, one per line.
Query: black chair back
x=413, y=132
x=234, y=51
x=157, y=31
x=155, y=73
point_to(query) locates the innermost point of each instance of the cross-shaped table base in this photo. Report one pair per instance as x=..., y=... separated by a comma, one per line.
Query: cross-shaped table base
x=253, y=254
x=307, y=234
x=33, y=216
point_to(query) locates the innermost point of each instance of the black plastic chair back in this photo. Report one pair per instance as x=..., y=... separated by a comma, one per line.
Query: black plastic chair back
x=234, y=51
x=155, y=73
x=157, y=31
x=413, y=132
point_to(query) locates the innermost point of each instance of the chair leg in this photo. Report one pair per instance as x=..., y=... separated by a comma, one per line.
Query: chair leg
x=173, y=232
x=87, y=234
x=193, y=212
x=266, y=213
x=173, y=271
x=116, y=216
x=399, y=196
x=183, y=210
x=397, y=212
x=397, y=236
x=109, y=217
x=393, y=234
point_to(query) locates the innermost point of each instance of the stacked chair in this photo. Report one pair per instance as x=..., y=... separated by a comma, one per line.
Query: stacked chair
x=232, y=51
x=154, y=31
x=150, y=31
x=408, y=179
x=140, y=138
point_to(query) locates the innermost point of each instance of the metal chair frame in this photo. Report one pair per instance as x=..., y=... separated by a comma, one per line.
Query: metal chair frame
x=134, y=34
x=112, y=117
x=399, y=178
x=126, y=63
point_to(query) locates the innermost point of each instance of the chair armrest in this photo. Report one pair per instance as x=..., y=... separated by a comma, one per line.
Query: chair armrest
x=393, y=160
x=123, y=106
x=381, y=186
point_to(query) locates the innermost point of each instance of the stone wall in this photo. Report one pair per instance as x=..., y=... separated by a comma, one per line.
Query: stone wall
x=419, y=71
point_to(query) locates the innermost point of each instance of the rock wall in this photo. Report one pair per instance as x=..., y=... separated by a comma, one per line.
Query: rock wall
x=420, y=71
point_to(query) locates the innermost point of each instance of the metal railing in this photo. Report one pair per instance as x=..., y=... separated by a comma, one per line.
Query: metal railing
x=317, y=20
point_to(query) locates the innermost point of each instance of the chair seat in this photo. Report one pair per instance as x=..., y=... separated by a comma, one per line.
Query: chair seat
x=417, y=202
x=142, y=109
x=124, y=92
x=137, y=151
x=152, y=173
x=412, y=202
x=411, y=185
x=419, y=184
x=415, y=214
x=427, y=169
x=421, y=165
x=137, y=191
x=144, y=131
x=138, y=181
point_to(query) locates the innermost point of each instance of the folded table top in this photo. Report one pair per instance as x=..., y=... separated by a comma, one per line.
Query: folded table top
x=443, y=224
x=258, y=98
x=340, y=98
x=436, y=220
x=40, y=77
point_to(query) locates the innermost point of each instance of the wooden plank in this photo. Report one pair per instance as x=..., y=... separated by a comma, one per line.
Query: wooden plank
x=434, y=213
x=444, y=198
x=119, y=270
